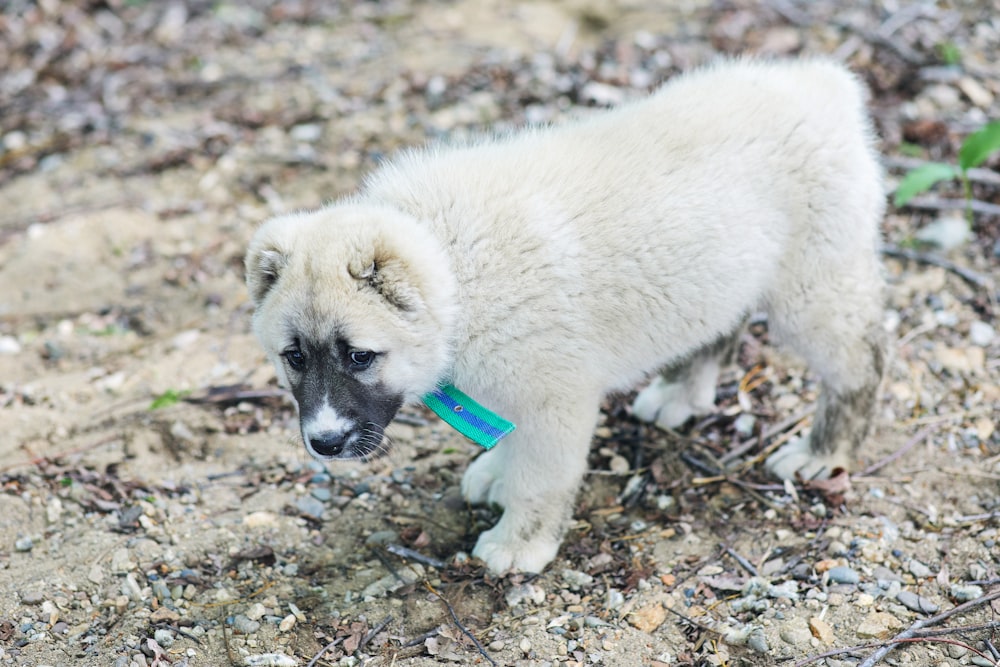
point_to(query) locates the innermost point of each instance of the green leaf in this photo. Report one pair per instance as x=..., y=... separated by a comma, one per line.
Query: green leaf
x=950, y=54
x=167, y=398
x=922, y=179
x=979, y=145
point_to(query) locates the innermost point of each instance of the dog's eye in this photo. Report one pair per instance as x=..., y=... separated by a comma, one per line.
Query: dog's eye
x=361, y=358
x=295, y=358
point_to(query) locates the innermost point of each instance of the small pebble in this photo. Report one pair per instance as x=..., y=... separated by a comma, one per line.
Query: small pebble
x=256, y=611
x=864, y=600
x=9, y=345
x=31, y=597
x=120, y=561
x=244, y=625
x=524, y=645
x=843, y=575
x=947, y=232
x=981, y=333
x=821, y=630
x=164, y=637
x=287, y=623
x=382, y=537
x=524, y=593
x=24, y=544
x=161, y=591
x=576, y=579
x=795, y=632
x=878, y=625
x=321, y=493
x=298, y=612
x=131, y=588
x=916, y=603
x=918, y=569
x=50, y=612
x=618, y=464
x=966, y=592
x=744, y=424
x=310, y=507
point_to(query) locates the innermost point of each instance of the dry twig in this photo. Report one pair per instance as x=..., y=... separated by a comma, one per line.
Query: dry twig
x=920, y=436
x=374, y=631
x=323, y=650
x=465, y=631
x=965, y=274
x=911, y=632
x=954, y=204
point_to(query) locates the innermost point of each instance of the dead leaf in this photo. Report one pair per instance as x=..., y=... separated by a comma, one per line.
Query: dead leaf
x=834, y=489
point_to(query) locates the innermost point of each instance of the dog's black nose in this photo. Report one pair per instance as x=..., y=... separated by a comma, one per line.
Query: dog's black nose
x=329, y=443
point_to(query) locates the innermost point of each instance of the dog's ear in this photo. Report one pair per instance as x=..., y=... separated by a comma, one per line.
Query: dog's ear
x=388, y=275
x=263, y=267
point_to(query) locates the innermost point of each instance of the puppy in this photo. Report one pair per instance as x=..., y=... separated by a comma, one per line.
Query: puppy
x=540, y=270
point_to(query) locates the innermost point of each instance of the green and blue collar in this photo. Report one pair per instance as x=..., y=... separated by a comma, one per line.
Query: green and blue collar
x=477, y=423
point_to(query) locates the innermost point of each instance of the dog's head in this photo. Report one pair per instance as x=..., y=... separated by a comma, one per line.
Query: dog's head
x=355, y=307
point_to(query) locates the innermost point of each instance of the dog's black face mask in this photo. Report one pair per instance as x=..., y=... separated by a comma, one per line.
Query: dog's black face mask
x=342, y=414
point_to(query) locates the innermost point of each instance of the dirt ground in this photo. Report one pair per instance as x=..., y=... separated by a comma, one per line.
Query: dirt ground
x=157, y=507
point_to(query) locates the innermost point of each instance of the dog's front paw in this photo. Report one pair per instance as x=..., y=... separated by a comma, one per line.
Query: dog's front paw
x=503, y=552
x=795, y=458
x=482, y=482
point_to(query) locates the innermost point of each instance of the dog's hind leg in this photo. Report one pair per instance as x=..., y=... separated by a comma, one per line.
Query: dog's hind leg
x=833, y=318
x=686, y=388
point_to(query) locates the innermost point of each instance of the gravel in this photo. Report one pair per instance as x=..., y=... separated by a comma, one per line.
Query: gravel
x=142, y=142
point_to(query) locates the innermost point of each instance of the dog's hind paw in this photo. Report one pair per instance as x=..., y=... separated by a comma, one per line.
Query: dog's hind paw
x=665, y=404
x=797, y=460
x=501, y=553
x=482, y=482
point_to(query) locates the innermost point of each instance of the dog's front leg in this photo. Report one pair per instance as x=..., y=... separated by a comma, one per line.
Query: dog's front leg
x=543, y=464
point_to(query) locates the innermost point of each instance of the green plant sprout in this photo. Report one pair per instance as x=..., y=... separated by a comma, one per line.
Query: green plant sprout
x=168, y=398
x=976, y=148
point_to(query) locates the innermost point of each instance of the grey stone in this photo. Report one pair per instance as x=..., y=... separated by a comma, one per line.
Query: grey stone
x=382, y=537
x=795, y=632
x=843, y=575
x=917, y=603
x=244, y=625
x=918, y=569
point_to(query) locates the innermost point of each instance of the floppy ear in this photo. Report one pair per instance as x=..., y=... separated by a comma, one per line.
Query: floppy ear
x=263, y=266
x=389, y=276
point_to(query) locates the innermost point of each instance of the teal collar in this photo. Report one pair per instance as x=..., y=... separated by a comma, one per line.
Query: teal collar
x=475, y=422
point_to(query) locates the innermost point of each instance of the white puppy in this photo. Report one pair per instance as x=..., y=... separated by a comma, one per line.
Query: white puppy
x=539, y=271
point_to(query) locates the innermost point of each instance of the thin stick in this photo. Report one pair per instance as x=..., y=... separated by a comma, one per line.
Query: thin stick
x=688, y=619
x=920, y=436
x=465, y=631
x=323, y=650
x=944, y=204
x=911, y=631
x=766, y=435
x=976, y=175
x=36, y=460
x=744, y=563
x=374, y=631
x=410, y=554
x=992, y=625
x=973, y=518
x=908, y=640
x=422, y=638
x=965, y=274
